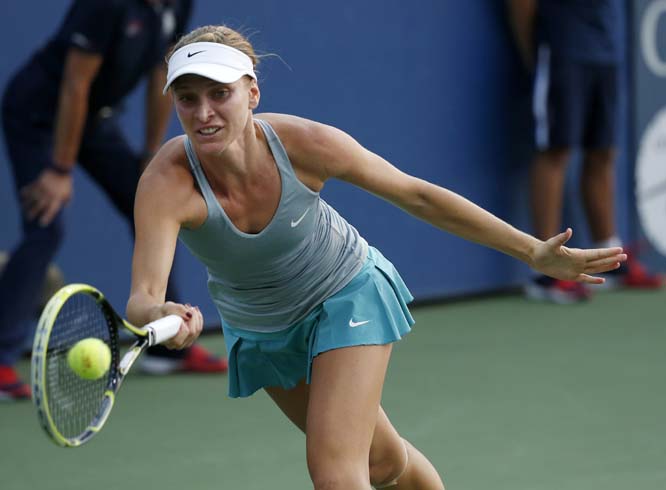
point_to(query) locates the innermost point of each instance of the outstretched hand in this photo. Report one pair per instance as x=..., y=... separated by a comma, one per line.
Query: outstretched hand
x=574, y=264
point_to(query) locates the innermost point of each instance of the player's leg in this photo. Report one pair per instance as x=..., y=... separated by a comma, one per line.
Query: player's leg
x=341, y=415
x=345, y=393
x=344, y=452
x=393, y=462
x=396, y=464
x=343, y=425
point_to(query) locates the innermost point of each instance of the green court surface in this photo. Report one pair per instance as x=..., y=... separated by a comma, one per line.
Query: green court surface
x=498, y=392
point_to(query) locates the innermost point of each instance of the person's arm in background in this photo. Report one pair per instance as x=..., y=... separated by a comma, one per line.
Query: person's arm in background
x=158, y=112
x=522, y=15
x=93, y=24
x=45, y=197
x=159, y=106
x=81, y=68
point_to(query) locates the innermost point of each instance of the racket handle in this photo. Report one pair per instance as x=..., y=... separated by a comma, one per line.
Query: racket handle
x=163, y=329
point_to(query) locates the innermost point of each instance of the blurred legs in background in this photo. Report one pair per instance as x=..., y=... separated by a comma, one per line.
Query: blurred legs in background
x=575, y=106
x=574, y=54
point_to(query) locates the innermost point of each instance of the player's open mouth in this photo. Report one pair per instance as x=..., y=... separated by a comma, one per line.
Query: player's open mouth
x=209, y=131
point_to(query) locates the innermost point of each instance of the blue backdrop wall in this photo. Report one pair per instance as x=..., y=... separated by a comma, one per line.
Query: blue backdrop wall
x=434, y=86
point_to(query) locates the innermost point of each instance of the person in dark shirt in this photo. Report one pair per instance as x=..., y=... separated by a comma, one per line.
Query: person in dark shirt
x=574, y=50
x=60, y=109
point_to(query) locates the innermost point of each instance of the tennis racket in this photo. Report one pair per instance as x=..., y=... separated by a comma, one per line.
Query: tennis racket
x=71, y=409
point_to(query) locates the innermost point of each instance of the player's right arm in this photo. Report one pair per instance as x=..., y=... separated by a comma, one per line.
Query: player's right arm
x=164, y=202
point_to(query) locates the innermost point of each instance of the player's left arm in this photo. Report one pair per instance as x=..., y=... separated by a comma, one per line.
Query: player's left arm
x=337, y=155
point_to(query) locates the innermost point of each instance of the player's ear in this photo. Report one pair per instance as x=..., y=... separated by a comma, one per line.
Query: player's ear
x=255, y=94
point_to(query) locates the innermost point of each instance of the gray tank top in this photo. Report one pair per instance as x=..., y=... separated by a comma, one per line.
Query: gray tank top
x=267, y=281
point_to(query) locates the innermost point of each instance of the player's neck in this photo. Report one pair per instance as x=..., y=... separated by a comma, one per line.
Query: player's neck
x=241, y=162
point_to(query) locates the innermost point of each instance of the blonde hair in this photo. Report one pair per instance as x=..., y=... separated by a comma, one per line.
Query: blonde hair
x=218, y=34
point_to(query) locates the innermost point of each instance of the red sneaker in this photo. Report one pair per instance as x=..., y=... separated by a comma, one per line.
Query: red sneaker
x=200, y=360
x=11, y=386
x=197, y=360
x=633, y=274
x=557, y=291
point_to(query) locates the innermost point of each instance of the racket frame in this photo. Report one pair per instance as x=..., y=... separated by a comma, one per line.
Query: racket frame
x=145, y=337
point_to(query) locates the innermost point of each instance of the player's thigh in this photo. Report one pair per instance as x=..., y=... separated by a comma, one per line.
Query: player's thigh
x=387, y=452
x=292, y=402
x=387, y=455
x=345, y=393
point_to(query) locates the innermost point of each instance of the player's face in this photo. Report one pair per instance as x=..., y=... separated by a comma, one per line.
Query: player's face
x=214, y=114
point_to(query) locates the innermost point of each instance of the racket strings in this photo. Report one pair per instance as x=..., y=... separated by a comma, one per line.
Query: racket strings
x=74, y=402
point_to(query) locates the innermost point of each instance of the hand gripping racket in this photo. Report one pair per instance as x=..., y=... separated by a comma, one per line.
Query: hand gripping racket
x=71, y=409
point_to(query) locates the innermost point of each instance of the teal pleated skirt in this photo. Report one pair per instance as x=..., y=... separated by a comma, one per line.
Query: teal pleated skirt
x=370, y=310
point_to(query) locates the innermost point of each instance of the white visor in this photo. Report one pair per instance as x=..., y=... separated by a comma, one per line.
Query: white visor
x=216, y=61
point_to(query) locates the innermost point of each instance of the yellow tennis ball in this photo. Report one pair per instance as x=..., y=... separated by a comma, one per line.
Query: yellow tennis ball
x=89, y=358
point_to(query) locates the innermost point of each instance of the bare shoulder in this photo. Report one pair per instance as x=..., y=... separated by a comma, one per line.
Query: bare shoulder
x=167, y=183
x=167, y=167
x=312, y=146
x=299, y=132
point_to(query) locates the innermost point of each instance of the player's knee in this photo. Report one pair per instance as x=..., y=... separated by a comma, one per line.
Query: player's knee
x=386, y=468
x=334, y=471
x=338, y=477
x=338, y=482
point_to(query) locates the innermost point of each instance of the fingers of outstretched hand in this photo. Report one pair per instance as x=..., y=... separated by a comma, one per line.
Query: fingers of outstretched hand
x=602, y=265
x=589, y=279
x=602, y=253
x=190, y=328
x=597, y=261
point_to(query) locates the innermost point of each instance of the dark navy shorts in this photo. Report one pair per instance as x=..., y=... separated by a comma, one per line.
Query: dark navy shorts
x=574, y=103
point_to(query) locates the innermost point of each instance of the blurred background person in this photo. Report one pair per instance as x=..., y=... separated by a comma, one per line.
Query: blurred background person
x=573, y=48
x=60, y=109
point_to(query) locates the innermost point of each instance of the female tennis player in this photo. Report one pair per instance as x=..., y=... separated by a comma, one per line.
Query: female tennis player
x=309, y=310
